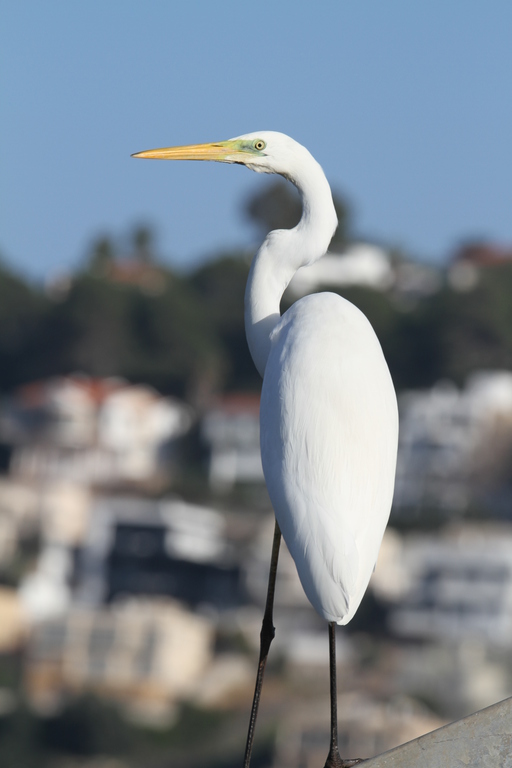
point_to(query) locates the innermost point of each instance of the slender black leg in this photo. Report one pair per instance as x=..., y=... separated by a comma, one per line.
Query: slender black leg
x=267, y=634
x=333, y=758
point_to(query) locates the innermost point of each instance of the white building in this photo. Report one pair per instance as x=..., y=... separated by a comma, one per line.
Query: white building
x=360, y=264
x=20, y=507
x=459, y=586
x=144, y=653
x=445, y=437
x=92, y=431
x=160, y=547
x=231, y=429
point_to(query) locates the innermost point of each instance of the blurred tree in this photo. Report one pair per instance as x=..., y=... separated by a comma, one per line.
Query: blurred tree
x=173, y=345
x=412, y=348
x=104, y=254
x=475, y=327
x=86, y=726
x=22, y=315
x=408, y=337
x=20, y=740
x=108, y=328
x=91, y=731
x=452, y=333
x=143, y=248
x=101, y=257
x=87, y=331
x=343, y=233
x=185, y=334
x=220, y=285
x=278, y=206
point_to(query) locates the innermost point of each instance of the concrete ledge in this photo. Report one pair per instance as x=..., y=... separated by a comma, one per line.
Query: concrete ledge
x=482, y=740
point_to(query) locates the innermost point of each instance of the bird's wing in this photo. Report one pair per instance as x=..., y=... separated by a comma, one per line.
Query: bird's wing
x=328, y=439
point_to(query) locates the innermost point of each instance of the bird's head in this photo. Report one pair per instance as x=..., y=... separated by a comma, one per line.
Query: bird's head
x=263, y=151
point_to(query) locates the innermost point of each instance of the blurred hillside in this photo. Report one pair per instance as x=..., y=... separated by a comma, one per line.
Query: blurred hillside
x=135, y=528
x=126, y=314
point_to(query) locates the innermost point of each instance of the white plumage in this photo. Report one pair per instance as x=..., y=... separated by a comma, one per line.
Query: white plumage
x=328, y=446
x=329, y=424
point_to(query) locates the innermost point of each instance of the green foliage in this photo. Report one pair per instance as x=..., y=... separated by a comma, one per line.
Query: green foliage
x=107, y=328
x=89, y=328
x=102, y=256
x=342, y=235
x=474, y=329
x=143, y=244
x=88, y=727
x=451, y=334
x=184, y=335
x=194, y=721
x=276, y=207
x=22, y=311
x=220, y=286
x=279, y=207
x=20, y=740
x=407, y=338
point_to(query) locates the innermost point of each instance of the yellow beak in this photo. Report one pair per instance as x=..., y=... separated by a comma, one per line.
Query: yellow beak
x=221, y=151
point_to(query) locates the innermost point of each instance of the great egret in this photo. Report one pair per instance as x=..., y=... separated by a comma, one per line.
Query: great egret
x=329, y=423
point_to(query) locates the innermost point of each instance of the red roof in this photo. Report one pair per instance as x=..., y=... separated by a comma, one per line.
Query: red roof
x=238, y=402
x=484, y=254
x=35, y=394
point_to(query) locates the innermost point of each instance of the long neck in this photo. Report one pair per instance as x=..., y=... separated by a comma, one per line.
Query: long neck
x=283, y=252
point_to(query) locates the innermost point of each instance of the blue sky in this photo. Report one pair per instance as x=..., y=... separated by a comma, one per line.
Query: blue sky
x=408, y=107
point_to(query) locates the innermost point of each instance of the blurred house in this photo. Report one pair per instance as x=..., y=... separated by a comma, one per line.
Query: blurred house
x=231, y=430
x=457, y=677
x=473, y=257
x=46, y=591
x=455, y=445
x=360, y=264
x=144, y=273
x=415, y=280
x=13, y=623
x=482, y=253
x=146, y=654
x=289, y=590
x=367, y=727
x=19, y=516
x=459, y=586
x=92, y=431
x=390, y=579
x=41, y=528
x=165, y=547
x=368, y=266
x=64, y=511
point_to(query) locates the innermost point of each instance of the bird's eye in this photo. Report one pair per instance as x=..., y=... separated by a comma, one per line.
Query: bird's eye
x=259, y=144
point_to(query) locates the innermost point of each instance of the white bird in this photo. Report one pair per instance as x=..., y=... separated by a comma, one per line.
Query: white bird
x=329, y=422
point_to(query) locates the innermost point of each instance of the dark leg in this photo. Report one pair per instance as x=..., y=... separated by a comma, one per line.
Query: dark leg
x=266, y=636
x=333, y=758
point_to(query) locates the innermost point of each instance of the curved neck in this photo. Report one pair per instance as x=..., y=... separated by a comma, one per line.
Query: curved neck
x=283, y=252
